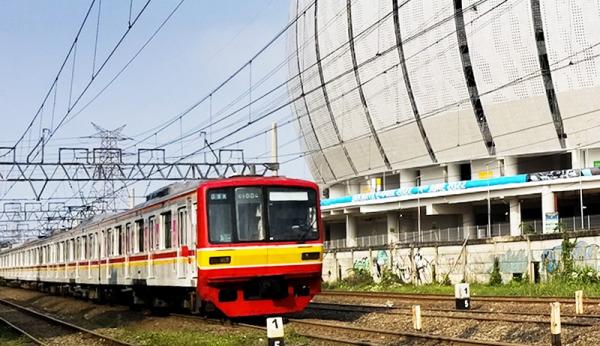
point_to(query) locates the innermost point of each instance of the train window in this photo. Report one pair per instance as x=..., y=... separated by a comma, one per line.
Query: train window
x=119, y=240
x=166, y=230
x=102, y=244
x=109, y=243
x=182, y=227
x=220, y=216
x=292, y=214
x=249, y=208
x=90, y=248
x=129, y=238
x=248, y=215
x=152, y=233
x=82, y=253
x=139, y=226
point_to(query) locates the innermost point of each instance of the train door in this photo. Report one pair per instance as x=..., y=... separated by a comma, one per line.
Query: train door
x=152, y=232
x=181, y=241
x=128, y=240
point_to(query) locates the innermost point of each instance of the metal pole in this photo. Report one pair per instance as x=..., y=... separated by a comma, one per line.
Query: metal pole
x=581, y=200
x=419, y=215
x=274, y=148
x=489, y=207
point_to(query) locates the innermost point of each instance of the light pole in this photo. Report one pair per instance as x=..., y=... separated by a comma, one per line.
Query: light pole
x=581, y=207
x=489, y=205
x=419, y=216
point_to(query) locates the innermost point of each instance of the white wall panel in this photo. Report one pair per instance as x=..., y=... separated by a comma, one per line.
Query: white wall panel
x=405, y=146
x=572, y=31
x=365, y=154
x=310, y=76
x=503, y=50
x=435, y=69
x=504, y=56
x=338, y=161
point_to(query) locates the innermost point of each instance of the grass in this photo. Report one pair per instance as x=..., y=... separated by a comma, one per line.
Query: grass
x=553, y=288
x=201, y=337
x=9, y=338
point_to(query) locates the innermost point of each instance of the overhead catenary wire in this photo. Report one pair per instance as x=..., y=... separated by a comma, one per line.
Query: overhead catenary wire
x=193, y=106
x=54, y=82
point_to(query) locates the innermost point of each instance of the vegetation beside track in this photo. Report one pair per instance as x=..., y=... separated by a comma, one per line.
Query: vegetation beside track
x=9, y=337
x=563, y=282
x=554, y=288
x=143, y=336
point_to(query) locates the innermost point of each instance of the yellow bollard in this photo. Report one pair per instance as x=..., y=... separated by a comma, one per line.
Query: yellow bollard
x=555, y=323
x=579, y=302
x=416, y=317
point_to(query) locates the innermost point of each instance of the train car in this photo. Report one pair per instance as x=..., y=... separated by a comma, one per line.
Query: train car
x=246, y=246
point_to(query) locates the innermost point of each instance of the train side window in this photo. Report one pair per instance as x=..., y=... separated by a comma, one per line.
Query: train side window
x=82, y=253
x=102, y=244
x=152, y=228
x=128, y=238
x=167, y=230
x=182, y=226
x=77, y=251
x=96, y=247
x=220, y=216
x=139, y=227
x=109, y=242
x=90, y=247
x=118, y=240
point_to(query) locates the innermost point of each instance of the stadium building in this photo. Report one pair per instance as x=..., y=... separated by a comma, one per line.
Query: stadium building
x=441, y=120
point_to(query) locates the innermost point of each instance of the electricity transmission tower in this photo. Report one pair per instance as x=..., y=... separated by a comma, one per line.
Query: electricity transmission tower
x=109, y=157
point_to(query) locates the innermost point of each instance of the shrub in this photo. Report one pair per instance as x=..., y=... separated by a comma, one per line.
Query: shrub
x=495, y=277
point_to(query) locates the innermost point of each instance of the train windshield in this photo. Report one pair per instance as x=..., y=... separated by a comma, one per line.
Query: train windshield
x=292, y=214
x=240, y=214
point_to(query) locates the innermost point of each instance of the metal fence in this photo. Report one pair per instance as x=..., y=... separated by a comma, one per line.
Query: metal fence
x=460, y=233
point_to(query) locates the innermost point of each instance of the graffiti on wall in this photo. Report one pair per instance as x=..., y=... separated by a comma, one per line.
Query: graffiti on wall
x=421, y=272
x=583, y=254
x=513, y=261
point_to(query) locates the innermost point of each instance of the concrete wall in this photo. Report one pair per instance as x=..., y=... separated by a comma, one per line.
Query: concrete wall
x=516, y=255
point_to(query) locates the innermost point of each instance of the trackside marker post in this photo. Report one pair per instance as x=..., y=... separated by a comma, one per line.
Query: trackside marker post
x=275, y=331
x=462, y=296
x=579, y=302
x=416, y=317
x=555, y=323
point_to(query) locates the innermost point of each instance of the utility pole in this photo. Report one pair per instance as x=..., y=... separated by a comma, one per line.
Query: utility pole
x=274, y=148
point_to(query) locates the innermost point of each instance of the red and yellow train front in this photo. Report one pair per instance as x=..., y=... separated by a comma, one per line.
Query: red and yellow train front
x=260, y=245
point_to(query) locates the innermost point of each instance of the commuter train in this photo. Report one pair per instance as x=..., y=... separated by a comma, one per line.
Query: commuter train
x=245, y=246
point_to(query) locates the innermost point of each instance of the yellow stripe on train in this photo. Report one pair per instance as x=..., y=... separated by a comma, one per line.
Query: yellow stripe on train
x=256, y=256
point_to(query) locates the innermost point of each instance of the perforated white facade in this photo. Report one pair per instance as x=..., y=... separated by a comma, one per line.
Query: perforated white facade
x=382, y=85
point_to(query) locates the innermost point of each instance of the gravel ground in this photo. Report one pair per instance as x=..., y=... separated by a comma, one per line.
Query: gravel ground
x=526, y=333
x=117, y=321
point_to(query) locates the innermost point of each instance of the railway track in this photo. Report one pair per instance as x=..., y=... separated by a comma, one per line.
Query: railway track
x=327, y=331
x=42, y=329
x=371, y=336
x=477, y=315
x=442, y=297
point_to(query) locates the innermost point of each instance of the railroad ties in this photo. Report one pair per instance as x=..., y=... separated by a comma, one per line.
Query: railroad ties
x=43, y=329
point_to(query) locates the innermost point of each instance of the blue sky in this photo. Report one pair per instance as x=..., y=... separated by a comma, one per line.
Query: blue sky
x=202, y=44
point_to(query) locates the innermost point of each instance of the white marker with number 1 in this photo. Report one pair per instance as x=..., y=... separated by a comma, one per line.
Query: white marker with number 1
x=275, y=331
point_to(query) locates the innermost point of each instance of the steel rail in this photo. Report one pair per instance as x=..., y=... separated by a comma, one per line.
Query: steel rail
x=252, y=326
x=409, y=335
x=109, y=340
x=474, y=309
x=440, y=297
x=381, y=310
x=23, y=332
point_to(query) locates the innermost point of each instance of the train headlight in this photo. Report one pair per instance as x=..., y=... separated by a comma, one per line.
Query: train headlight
x=307, y=256
x=220, y=260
